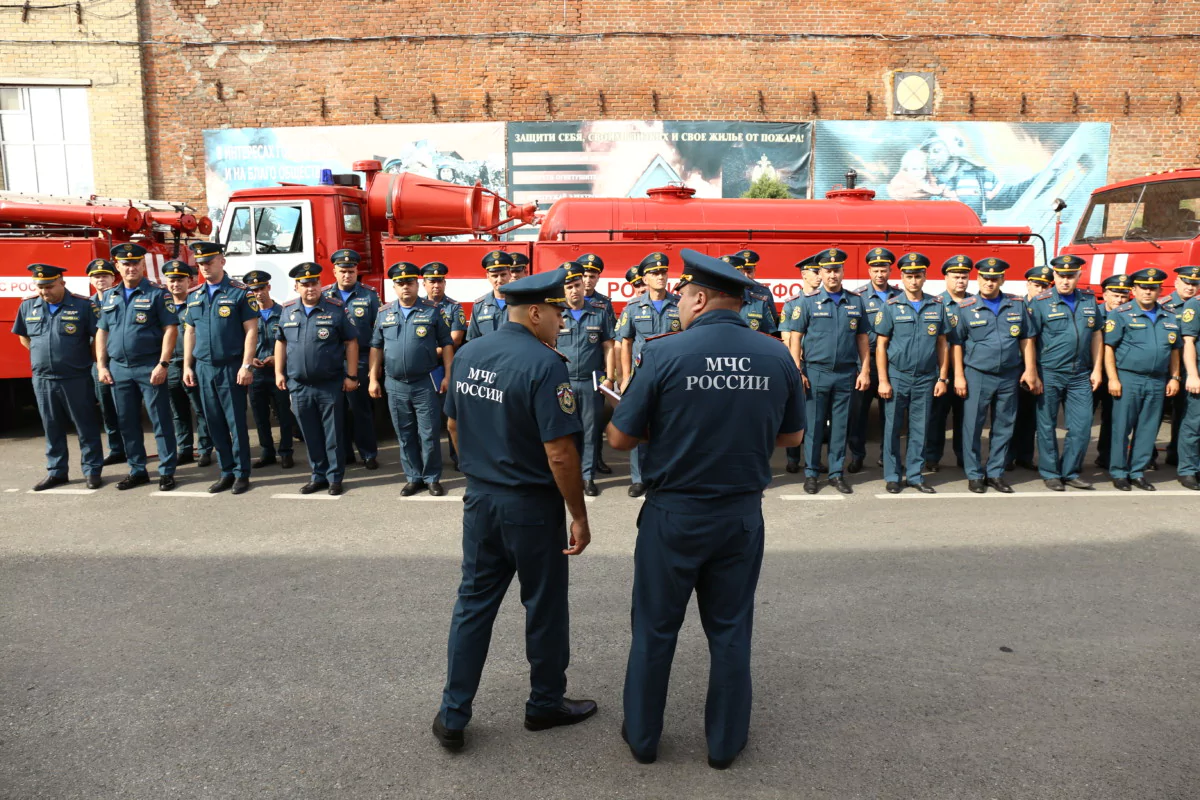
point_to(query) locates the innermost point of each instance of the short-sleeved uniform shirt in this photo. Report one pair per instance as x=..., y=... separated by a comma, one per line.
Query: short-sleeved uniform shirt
x=875, y=303
x=640, y=320
x=604, y=303
x=316, y=340
x=217, y=318
x=831, y=329
x=1189, y=318
x=136, y=326
x=452, y=313
x=582, y=341
x=1064, y=337
x=758, y=313
x=410, y=342
x=486, y=317
x=268, y=333
x=912, y=333
x=361, y=306
x=762, y=293
x=791, y=312
x=509, y=394
x=1174, y=303
x=59, y=342
x=1142, y=345
x=991, y=342
x=711, y=401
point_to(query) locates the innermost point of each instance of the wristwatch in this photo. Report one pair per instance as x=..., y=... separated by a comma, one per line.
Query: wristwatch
x=164, y=364
x=1175, y=378
x=247, y=366
x=352, y=377
x=943, y=380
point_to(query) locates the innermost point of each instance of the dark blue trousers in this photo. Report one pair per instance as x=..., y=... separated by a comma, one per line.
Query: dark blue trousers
x=265, y=395
x=63, y=401
x=359, y=415
x=860, y=414
x=319, y=412
x=718, y=557
x=224, y=404
x=1137, y=413
x=108, y=414
x=829, y=402
x=416, y=410
x=1025, y=427
x=591, y=409
x=131, y=389
x=503, y=536
x=912, y=396
x=995, y=394
x=1063, y=390
x=1189, y=435
x=186, y=404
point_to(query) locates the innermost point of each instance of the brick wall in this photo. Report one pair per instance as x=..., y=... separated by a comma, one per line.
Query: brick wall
x=115, y=99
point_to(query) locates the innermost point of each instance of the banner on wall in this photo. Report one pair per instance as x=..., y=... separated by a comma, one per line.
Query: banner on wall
x=245, y=158
x=1008, y=173
x=609, y=158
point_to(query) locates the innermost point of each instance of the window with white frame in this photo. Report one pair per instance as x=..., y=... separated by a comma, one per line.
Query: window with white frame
x=45, y=143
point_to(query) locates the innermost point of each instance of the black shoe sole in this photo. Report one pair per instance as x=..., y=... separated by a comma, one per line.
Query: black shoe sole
x=546, y=723
x=441, y=733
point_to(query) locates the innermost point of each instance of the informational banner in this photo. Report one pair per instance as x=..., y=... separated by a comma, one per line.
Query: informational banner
x=1008, y=173
x=608, y=158
x=244, y=158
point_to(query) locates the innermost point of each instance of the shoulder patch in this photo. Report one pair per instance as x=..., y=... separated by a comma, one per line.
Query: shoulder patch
x=969, y=301
x=668, y=333
x=1124, y=307
x=1043, y=295
x=893, y=300
x=333, y=301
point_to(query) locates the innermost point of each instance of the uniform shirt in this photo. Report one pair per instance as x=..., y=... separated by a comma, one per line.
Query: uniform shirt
x=1189, y=318
x=268, y=332
x=135, y=327
x=791, y=311
x=951, y=306
x=1064, y=337
x=177, y=353
x=991, y=342
x=639, y=320
x=712, y=400
x=831, y=329
x=1173, y=303
x=604, y=303
x=452, y=313
x=486, y=317
x=315, y=350
x=410, y=342
x=1142, y=345
x=59, y=343
x=758, y=313
x=875, y=304
x=762, y=293
x=582, y=341
x=912, y=333
x=216, y=317
x=509, y=393
x=362, y=306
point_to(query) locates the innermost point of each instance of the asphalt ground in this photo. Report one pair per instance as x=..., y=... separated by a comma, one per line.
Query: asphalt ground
x=182, y=645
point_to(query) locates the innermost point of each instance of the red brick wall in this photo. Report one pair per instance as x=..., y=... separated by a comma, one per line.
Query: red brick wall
x=190, y=88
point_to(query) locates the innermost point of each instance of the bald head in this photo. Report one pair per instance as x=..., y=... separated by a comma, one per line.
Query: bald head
x=696, y=300
x=541, y=319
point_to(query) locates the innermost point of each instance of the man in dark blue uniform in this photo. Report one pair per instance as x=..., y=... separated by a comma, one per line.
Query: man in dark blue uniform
x=712, y=403
x=1187, y=286
x=264, y=394
x=138, y=328
x=411, y=340
x=758, y=312
x=957, y=272
x=514, y=419
x=361, y=304
x=220, y=341
x=1116, y=289
x=810, y=277
x=186, y=404
x=633, y=276
x=520, y=266
x=1066, y=322
x=1021, y=451
x=874, y=296
x=1141, y=358
x=317, y=343
x=829, y=344
x=491, y=311
x=759, y=291
x=593, y=267
x=1188, y=469
x=56, y=328
x=102, y=274
x=993, y=352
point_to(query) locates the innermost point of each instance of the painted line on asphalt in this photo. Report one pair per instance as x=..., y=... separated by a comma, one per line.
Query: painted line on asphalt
x=63, y=491
x=313, y=496
x=812, y=497
x=176, y=493
x=446, y=498
x=9, y=491
x=1075, y=495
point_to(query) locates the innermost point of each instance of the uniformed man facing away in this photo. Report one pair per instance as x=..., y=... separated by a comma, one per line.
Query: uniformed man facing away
x=593, y=267
x=1117, y=289
x=411, y=340
x=102, y=274
x=712, y=403
x=993, y=352
x=1067, y=325
x=586, y=341
x=759, y=291
x=810, y=278
x=1021, y=451
x=186, y=404
x=758, y=312
x=829, y=344
x=874, y=295
x=220, y=340
x=317, y=345
x=655, y=312
x=1141, y=358
x=265, y=396
x=56, y=328
x=138, y=328
x=361, y=304
x=491, y=311
x=914, y=367
x=957, y=272
x=520, y=266
x=514, y=418
x=1188, y=469
x=1187, y=286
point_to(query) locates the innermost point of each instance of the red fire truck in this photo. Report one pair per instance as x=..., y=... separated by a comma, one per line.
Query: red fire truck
x=1152, y=221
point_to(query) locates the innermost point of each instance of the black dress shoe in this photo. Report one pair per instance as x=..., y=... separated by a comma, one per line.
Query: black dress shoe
x=1000, y=485
x=931, y=466
x=131, y=481
x=411, y=488
x=49, y=482
x=840, y=484
x=811, y=486
x=1075, y=483
x=205, y=460
x=977, y=486
x=185, y=458
x=637, y=489
x=240, y=485
x=114, y=458
x=725, y=763
x=638, y=757
x=265, y=461
x=793, y=467
x=1186, y=481
x=1055, y=485
x=854, y=465
x=1123, y=484
x=602, y=468
x=436, y=489
x=569, y=713
x=166, y=483
x=449, y=739
x=894, y=487
x=1143, y=484
x=336, y=488
x=223, y=484
x=314, y=486
x=94, y=481
x=287, y=462
x=923, y=488
x=590, y=490
x=371, y=464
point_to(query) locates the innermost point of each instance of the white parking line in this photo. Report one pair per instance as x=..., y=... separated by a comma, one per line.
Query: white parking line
x=1075, y=495
x=446, y=498
x=11, y=490
x=177, y=493
x=812, y=497
x=63, y=491
x=314, y=496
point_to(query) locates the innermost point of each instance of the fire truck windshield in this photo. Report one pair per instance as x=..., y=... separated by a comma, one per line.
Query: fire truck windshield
x=1161, y=210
